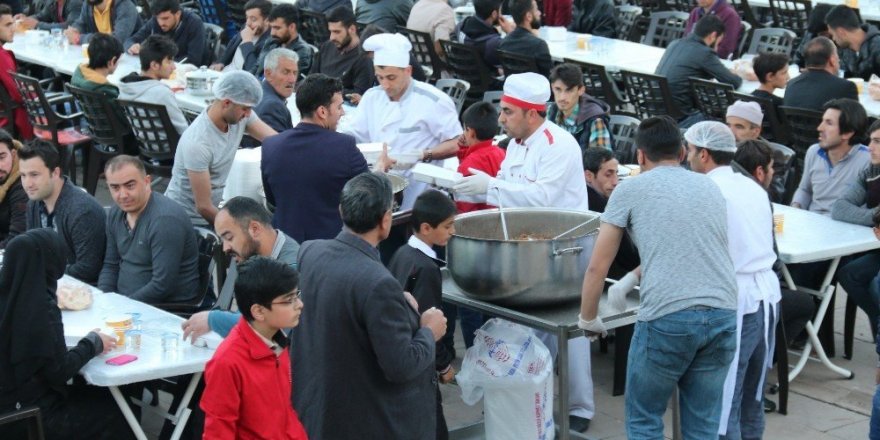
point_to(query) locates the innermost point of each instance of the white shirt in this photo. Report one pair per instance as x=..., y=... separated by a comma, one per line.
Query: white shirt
x=543, y=171
x=423, y=118
x=420, y=245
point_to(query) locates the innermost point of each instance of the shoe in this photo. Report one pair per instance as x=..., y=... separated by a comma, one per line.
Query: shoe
x=578, y=424
x=769, y=405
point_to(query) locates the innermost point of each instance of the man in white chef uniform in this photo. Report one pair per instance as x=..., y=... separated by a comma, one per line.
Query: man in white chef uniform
x=710, y=150
x=408, y=115
x=543, y=168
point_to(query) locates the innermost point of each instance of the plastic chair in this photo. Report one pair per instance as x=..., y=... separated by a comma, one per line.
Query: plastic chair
x=313, y=26
x=212, y=268
x=49, y=125
x=772, y=40
x=235, y=16
x=598, y=83
x=7, y=111
x=849, y=327
x=213, y=11
x=423, y=49
x=712, y=98
x=156, y=135
x=639, y=29
x=465, y=63
x=745, y=13
x=649, y=95
x=623, y=131
x=31, y=416
x=514, y=63
x=626, y=19
x=665, y=27
x=745, y=35
x=213, y=49
x=792, y=14
x=493, y=97
x=111, y=135
x=456, y=89
x=803, y=129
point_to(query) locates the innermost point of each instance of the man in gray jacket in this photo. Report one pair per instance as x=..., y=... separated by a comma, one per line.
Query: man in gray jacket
x=387, y=14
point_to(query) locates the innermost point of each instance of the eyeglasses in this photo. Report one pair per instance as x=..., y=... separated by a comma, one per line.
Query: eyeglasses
x=293, y=297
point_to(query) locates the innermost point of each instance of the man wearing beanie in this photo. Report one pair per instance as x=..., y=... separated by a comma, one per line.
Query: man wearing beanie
x=542, y=168
x=711, y=147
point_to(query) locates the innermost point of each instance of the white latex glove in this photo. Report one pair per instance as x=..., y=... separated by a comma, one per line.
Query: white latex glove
x=477, y=184
x=594, y=328
x=617, y=292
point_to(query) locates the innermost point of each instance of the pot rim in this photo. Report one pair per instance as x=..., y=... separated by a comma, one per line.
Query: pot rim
x=485, y=212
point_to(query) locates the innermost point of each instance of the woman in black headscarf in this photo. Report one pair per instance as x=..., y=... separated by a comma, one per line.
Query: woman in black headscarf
x=35, y=364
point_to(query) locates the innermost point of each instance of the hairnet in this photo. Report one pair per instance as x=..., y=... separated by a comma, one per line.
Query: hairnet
x=711, y=135
x=239, y=87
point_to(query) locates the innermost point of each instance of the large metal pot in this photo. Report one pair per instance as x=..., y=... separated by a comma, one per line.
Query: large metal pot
x=200, y=82
x=522, y=272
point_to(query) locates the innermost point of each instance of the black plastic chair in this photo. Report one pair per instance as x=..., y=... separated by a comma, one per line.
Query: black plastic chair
x=649, y=95
x=598, y=83
x=157, y=138
x=313, y=26
x=623, y=131
x=793, y=15
x=803, y=125
x=111, y=135
x=31, y=416
x=456, y=89
x=745, y=36
x=626, y=19
x=745, y=13
x=49, y=125
x=514, y=63
x=849, y=327
x=235, y=16
x=213, y=35
x=213, y=12
x=212, y=268
x=711, y=97
x=665, y=27
x=424, y=51
x=7, y=111
x=465, y=63
x=772, y=40
x=638, y=30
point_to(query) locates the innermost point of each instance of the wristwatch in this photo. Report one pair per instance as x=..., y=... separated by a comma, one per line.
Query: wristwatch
x=427, y=156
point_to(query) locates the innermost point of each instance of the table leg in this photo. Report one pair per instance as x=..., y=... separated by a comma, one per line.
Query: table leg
x=183, y=410
x=562, y=359
x=129, y=416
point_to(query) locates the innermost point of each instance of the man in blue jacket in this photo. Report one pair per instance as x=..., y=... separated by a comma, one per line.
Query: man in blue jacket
x=244, y=48
x=182, y=26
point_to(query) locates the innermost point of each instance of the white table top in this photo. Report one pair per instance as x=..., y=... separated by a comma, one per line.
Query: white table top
x=152, y=362
x=809, y=237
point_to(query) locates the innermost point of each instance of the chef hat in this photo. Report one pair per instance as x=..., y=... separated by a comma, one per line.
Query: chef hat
x=529, y=91
x=389, y=49
x=711, y=135
x=748, y=110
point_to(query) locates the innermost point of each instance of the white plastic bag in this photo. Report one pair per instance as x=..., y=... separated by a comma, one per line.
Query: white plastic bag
x=511, y=369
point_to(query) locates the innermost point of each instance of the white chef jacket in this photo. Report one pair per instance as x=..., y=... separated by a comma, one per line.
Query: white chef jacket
x=545, y=170
x=422, y=118
x=750, y=244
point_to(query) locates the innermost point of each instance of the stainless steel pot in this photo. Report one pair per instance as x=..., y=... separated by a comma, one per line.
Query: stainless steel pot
x=200, y=82
x=522, y=272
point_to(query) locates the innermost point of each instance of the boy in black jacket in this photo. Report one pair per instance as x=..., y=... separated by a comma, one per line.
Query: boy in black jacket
x=417, y=268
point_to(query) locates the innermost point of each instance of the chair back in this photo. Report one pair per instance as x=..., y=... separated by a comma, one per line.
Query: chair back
x=514, y=63
x=465, y=63
x=772, y=40
x=29, y=415
x=793, y=15
x=424, y=51
x=745, y=12
x=40, y=112
x=107, y=129
x=213, y=35
x=313, y=26
x=802, y=130
x=598, y=83
x=493, y=97
x=649, y=95
x=745, y=35
x=456, y=89
x=212, y=271
x=665, y=27
x=772, y=128
x=156, y=135
x=638, y=30
x=679, y=5
x=7, y=111
x=626, y=19
x=623, y=131
x=213, y=11
x=712, y=98
x=235, y=16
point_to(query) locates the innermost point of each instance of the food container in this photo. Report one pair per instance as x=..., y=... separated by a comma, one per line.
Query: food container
x=535, y=272
x=200, y=82
x=405, y=159
x=434, y=175
x=119, y=324
x=371, y=151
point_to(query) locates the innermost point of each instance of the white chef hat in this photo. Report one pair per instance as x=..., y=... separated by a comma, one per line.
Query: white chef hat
x=389, y=49
x=529, y=91
x=750, y=111
x=711, y=135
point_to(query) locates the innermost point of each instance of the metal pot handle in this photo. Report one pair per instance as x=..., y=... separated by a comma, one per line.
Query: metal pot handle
x=572, y=250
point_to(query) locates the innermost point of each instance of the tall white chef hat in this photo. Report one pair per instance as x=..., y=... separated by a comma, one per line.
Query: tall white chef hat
x=711, y=135
x=529, y=91
x=389, y=49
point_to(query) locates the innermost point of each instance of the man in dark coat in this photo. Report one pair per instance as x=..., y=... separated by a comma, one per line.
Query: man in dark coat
x=859, y=43
x=522, y=41
x=819, y=83
x=182, y=26
x=361, y=351
x=595, y=17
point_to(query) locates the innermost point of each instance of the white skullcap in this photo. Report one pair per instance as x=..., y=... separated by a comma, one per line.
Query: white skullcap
x=527, y=90
x=748, y=110
x=711, y=135
x=240, y=87
x=389, y=49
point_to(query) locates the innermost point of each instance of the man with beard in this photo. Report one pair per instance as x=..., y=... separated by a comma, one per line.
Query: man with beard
x=859, y=43
x=245, y=227
x=341, y=56
x=13, y=199
x=184, y=27
x=117, y=17
x=524, y=39
x=207, y=148
x=727, y=14
x=280, y=76
x=283, y=23
x=8, y=64
x=243, y=49
x=479, y=30
x=152, y=255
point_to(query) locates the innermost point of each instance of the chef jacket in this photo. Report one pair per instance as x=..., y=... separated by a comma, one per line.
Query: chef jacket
x=544, y=170
x=750, y=244
x=422, y=118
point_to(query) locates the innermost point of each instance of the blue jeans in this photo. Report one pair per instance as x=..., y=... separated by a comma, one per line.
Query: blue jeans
x=691, y=349
x=874, y=433
x=746, y=419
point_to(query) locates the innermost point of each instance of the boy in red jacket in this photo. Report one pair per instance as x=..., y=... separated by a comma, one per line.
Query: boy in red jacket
x=248, y=381
x=476, y=148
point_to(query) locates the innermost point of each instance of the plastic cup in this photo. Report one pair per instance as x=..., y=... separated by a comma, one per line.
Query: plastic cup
x=170, y=342
x=133, y=339
x=583, y=42
x=778, y=223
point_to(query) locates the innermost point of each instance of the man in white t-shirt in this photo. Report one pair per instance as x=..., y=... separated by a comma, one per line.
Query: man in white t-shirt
x=207, y=148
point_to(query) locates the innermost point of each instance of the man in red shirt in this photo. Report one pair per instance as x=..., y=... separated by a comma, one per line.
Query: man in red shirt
x=23, y=129
x=476, y=149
